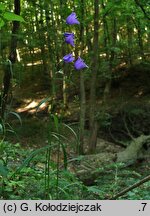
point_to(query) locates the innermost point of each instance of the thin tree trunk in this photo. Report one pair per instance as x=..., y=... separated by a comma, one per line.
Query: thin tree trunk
x=64, y=87
x=140, y=40
x=148, y=38
x=82, y=85
x=53, y=68
x=110, y=59
x=40, y=25
x=95, y=65
x=12, y=59
x=31, y=48
x=51, y=50
x=82, y=112
x=88, y=32
x=106, y=33
x=130, y=41
x=106, y=45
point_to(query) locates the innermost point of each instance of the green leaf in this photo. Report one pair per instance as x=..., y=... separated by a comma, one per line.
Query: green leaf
x=3, y=170
x=1, y=129
x=42, y=102
x=17, y=116
x=31, y=156
x=94, y=189
x=72, y=131
x=12, y=17
x=2, y=23
x=2, y=7
x=65, y=155
x=56, y=122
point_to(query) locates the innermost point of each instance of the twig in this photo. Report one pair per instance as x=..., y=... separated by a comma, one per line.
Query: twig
x=117, y=142
x=127, y=129
x=146, y=179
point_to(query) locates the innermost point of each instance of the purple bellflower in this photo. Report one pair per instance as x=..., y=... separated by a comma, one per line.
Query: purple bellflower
x=79, y=64
x=72, y=19
x=68, y=58
x=69, y=38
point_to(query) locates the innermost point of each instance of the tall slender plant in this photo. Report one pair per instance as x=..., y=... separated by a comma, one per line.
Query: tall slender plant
x=79, y=64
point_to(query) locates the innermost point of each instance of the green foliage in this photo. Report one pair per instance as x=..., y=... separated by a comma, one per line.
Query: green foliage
x=12, y=17
x=2, y=23
x=1, y=129
x=5, y=126
x=104, y=119
x=115, y=178
x=8, y=16
x=43, y=173
x=28, y=181
x=2, y=7
x=3, y=169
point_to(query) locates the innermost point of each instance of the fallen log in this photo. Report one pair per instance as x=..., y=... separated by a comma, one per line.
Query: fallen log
x=134, y=150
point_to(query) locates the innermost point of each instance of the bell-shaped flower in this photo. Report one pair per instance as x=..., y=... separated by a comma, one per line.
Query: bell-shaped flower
x=79, y=64
x=69, y=38
x=72, y=19
x=68, y=58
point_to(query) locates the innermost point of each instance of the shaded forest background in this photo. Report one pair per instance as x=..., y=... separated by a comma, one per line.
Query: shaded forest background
x=102, y=112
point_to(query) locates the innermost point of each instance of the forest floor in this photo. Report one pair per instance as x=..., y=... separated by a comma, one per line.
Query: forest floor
x=129, y=98
x=125, y=115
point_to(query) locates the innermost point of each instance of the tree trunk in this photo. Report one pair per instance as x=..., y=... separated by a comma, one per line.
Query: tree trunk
x=106, y=45
x=82, y=85
x=11, y=60
x=88, y=32
x=110, y=59
x=40, y=27
x=95, y=64
x=133, y=151
x=140, y=40
x=64, y=87
x=130, y=41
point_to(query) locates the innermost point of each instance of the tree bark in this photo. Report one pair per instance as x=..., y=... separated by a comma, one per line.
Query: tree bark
x=110, y=59
x=132, y=152
x=40, y=28
x=140, y=40
x=107, y=52
x=11, y=60
x=65, y=68
x=130, y=41
x=82, y=85
x=95, y=64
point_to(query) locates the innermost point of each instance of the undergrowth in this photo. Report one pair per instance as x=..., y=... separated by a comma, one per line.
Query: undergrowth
x=21, y=178
x=26, y=181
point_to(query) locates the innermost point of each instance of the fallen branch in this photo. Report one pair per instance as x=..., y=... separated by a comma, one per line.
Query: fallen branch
x=146, y=179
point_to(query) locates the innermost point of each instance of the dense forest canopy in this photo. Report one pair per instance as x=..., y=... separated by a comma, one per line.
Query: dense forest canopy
x=81, y=66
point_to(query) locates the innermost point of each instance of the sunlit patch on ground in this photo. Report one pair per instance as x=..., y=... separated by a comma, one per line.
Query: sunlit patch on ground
x=34, y=63
x=32, y=106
